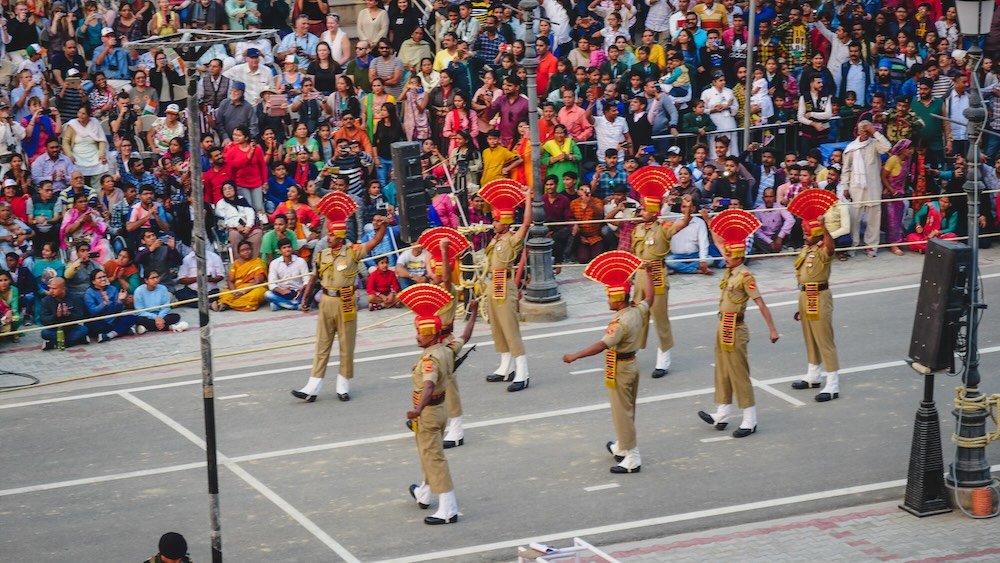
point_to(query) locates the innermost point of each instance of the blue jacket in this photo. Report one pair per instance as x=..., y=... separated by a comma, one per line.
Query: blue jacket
x=95, y=305
x=865, y=98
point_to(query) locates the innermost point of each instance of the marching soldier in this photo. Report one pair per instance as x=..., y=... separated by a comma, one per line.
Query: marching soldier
x=446, y=246
x=620, y=343
x=431, y=375
x=336, y=268
x=812, y=271
x=651, y=244
x=730, y=230
x=503, y=254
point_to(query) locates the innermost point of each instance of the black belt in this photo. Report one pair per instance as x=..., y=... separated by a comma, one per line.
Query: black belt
x=625, y=355
x=739, y=318
x=332, y=292
x=814, y=286
x=436, y=400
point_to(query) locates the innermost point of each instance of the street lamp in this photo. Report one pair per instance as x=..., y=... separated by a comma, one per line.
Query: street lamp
x=542, y=300
x=970, y=469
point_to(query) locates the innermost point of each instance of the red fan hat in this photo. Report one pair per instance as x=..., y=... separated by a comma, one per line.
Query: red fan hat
x=734, y=226
x=431, y=240
x=613, y=269
x=425, y=300
x=504, y=196
x=652, y=182
x=811, y=205
x=337, y=207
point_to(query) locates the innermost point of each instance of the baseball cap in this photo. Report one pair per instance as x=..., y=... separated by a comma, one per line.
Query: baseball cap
x=35, y=49
x=9, y=182
x=73, y=72
x=253, y=52
x=173, y=108
x=236, y=85
x=674, y=150
x=107, y=31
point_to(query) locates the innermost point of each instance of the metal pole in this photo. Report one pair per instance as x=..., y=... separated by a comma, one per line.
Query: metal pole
x=204, y=321
x=751, y=41
x=543, y=287
x=970, y=468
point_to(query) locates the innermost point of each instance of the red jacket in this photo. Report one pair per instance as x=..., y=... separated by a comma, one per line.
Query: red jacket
x=248, y=166
x=381, y=283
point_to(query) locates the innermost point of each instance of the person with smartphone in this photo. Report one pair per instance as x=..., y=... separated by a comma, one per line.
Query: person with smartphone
x=58, y=307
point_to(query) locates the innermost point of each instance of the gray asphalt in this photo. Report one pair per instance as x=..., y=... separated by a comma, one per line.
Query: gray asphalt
x=523, y=472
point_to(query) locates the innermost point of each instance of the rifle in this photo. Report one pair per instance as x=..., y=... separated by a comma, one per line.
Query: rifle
x=461, y=359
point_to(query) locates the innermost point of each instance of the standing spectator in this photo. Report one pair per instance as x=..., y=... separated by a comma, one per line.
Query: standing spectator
x=382, y=286
x=561, y=154
x=246, y=159
x=935, y=133
x=958, y=101
x=372, y=22
x=388, y=67
x=862, y=174
x=557, y=210
x=611, y=131
x=721, y=104
x=59, y=307
x=895, y=173
x=336, y=39
x=587, y=236
x=254, y=76
x=402, y=19
x=233, y=112
x=286, y=278
x=608, y=176
x=512, y=109
x=815, y=112
x=155, y=297
x=302, y=42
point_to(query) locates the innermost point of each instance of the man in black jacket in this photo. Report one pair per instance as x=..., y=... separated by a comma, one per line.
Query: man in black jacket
x=60, y=307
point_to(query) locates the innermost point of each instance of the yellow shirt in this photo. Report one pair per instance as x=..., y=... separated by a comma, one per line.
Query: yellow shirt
x=442, y=58
x=658, y=56
x=493, y=161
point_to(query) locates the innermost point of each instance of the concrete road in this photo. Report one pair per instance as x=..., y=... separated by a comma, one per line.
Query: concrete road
x=99, y=473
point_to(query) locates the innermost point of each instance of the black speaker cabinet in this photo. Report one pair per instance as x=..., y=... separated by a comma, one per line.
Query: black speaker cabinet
x=940, y=304
x=412, y=200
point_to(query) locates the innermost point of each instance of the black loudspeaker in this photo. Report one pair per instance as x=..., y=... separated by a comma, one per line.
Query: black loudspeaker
x=940, y=304
x=412, y=200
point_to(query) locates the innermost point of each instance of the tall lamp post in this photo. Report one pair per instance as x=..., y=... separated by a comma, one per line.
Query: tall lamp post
x=543, y=302
x=970, y=469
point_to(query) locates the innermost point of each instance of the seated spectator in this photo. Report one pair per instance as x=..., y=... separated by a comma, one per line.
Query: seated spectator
x=294, y=202
x=270, y=240
x=286, y=278
x=775, y=224
x=238, y=218
x=158, y=254
x=619, y=206
x=78, y=271
x=123, y=273
x=413, y=266
x=10, y=305
x=936, y=219
x=187, y=276
x=587, y=236
x=24, y=281
x=382, y=286
x=692, y=242
x=102, y=299
x=246, y=272
x=14, y=233
x=59, y=307
x=81, y=223
x=153, y=296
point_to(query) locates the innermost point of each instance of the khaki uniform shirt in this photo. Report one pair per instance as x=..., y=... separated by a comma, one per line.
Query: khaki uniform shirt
x=812, y=265
x=624, y=332
x=738, y=287
x=339, y=269
x=504, y=251
x=437, y=365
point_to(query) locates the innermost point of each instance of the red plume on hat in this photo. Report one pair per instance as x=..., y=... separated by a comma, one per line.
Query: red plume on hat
x=504, y=196
x=652, y=182
x=613, y=269
x=811, y=205
x=425, y=300
x=734, y=226
x=431, y=240
x=337, y=207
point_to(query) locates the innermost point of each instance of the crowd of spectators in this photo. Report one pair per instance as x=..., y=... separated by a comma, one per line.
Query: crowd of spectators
x=96, y=212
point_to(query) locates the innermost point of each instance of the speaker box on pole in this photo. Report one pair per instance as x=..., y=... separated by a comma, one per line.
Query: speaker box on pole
x=412, y=200
x=940, y=304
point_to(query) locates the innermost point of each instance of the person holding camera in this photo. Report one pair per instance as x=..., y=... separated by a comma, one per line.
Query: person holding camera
x=111, y=60
x=11, y=133
x=618, y=206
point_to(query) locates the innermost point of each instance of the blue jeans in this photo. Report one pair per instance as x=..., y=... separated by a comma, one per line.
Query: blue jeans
x=72, y=335
x=385, y=165
x=282, y=301
x=992, y=144
x=688, y=267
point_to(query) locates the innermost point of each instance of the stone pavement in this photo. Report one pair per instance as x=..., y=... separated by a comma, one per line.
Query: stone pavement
x=874, y=532
x=287, y=335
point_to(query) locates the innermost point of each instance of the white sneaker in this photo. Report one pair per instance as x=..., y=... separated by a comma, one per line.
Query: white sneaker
x=139, y=329
x=181, y=326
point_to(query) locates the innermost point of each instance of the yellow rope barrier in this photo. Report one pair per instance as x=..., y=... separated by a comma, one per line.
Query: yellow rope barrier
x=991, y=404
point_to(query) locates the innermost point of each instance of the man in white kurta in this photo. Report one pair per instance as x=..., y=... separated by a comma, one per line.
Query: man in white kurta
x=862, y=181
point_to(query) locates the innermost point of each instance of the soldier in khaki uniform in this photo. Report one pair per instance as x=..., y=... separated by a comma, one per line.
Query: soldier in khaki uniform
x=619, y=344
x=503, y=254
x=812, y=272
x=431, y=377
x=651, y=244
x=732, y=367
x=337, y=269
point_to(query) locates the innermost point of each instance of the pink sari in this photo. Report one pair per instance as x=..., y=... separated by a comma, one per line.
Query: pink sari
x=93, y=231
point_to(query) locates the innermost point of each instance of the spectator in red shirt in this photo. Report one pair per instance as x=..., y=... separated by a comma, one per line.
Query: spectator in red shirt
x=382, y=286
x=215, y=176
x=246, y=159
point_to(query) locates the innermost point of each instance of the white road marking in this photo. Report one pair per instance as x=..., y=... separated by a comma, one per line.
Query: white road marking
x=658, y=521
x=716, y=439
x=261, y=488
x=601, y=487
x=401, y=376
x=414, y=353
x=101, y=479
x=582, y=371
x=228, y=397
x=779, y=394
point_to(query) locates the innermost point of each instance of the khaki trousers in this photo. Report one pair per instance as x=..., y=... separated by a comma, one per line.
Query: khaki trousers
x=430, y=438
x=820, y=344
x=732, y=369
x=503, y=323
x=452, y=399
x=329, y=325
x=657, y=313
x=622, y=399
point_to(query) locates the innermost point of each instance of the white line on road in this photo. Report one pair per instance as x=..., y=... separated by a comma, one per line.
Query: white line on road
x=601, y=487
x=261, y=488
x=228, y=397
x=659, y=521
x=401, y=376
x=779, y=394
x=101, y=479
x=716, y=439
x=582, y=371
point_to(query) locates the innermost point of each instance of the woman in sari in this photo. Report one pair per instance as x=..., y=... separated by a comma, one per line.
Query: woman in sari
x=460, y=118
x=522, y=148
x=85, y=143
x=895, y=171
x=936, y=219
x=245, y=272
x=561, y=154
x=343, y=100
x=372, y=103
x=416, y=119
x=82, y=222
